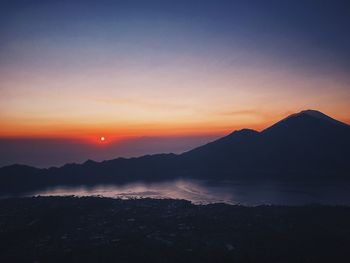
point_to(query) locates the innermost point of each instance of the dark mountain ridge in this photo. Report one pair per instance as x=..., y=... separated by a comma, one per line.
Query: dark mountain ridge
x=301, y=143
x=306, y=146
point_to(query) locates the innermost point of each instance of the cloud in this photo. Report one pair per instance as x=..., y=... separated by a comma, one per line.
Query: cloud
x=248, y=114
x=141, y=103
x=241, y=112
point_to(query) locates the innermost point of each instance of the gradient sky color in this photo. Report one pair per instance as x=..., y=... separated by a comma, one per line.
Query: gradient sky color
x=85, y=69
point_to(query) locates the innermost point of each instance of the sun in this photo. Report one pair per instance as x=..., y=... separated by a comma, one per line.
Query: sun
x=102, y=139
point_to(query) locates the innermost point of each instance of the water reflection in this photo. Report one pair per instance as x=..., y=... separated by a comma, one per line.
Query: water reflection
x=204, y=192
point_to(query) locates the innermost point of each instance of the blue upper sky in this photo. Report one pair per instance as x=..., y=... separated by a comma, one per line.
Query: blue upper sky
x=290, y=28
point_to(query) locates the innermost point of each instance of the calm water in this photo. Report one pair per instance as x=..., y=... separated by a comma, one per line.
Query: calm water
x=204, y=192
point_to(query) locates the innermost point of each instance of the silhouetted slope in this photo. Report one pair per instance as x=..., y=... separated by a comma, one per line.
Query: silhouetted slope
x=306, y=146
x=230, y=154
x=18, y=178
x=146, y=168
x=302, y=145
x=307, y=143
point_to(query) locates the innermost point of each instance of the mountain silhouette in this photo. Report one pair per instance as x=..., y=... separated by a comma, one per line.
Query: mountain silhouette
x=306, y=146
x=302, y=145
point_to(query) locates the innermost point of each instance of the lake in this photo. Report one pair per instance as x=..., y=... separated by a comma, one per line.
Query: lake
x=205, y=192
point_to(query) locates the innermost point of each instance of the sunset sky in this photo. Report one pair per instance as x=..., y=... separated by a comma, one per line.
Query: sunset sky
x=79, y=70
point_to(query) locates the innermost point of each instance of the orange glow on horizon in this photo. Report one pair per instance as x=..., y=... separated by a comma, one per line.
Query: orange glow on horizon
x=91, y=132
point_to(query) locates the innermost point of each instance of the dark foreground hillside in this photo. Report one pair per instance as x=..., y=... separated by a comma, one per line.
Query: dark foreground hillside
x=91, y=229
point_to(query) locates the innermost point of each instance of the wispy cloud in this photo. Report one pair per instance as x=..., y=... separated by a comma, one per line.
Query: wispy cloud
x=241, y=112
x=141, y=103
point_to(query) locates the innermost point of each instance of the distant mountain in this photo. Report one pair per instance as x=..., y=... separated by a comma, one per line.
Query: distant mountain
x=302, y=146
x=306, y=146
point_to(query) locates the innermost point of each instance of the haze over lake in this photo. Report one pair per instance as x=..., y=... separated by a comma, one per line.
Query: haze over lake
x=205, y=192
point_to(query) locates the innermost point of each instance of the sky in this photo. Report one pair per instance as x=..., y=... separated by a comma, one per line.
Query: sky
x=173, y=73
